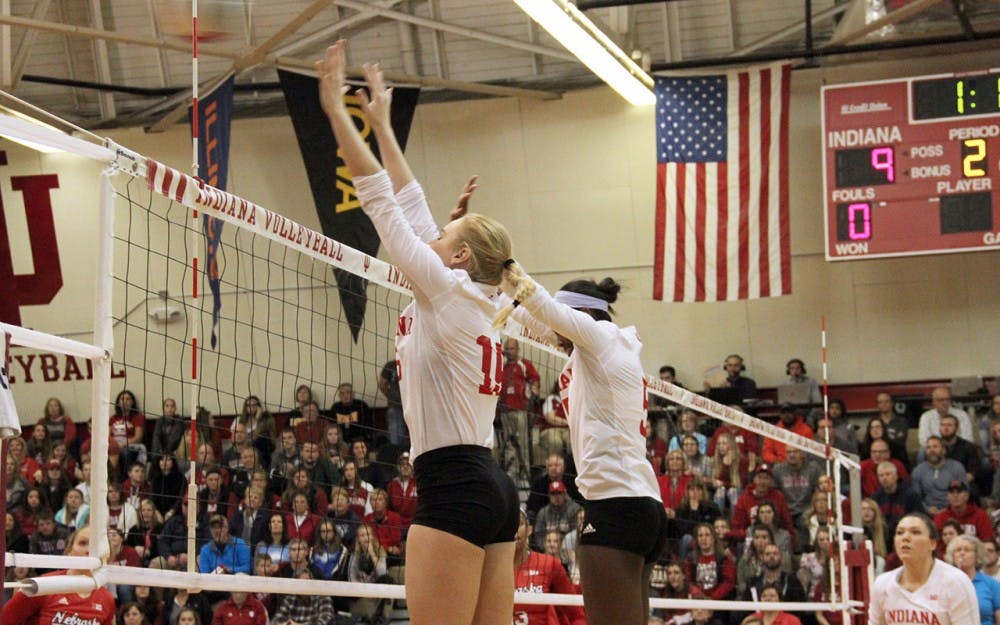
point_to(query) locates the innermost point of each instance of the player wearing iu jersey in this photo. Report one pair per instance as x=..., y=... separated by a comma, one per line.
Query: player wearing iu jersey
x=92, y=608
x=539, y=572
x=604, y=394
x=449, y=361
x=925, y=590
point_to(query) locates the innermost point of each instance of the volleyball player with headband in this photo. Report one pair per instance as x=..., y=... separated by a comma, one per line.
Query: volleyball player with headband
x=925, y=590
x=604, y=395
x=461, y=542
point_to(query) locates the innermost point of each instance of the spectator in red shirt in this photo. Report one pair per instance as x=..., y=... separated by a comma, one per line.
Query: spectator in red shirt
x=746, y=441
x=879, y=452
x=60, y=427
x=973, y=519
x=709, y=566
x=31, y=470
x=770, y=594
x=775, y=451
x=122, y=555
x=311, y=427
x=128, y=428
x=387, y=524
x=403, y=491
x=300, y=522
x=240, y=609
x=519, y=376
x=540, y=573
x=674, y=481
x=762, y=489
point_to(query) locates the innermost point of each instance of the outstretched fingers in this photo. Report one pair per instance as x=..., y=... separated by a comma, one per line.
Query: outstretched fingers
x=331, y=70
x=376, y=100
x=462, y=206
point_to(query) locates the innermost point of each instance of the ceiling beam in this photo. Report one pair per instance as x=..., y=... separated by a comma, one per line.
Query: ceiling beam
x=788, y=31
x=470, y=33
x=402, y=78
x=260, y=52
x=257, y=56
x=102, y=63
x=6, y=68
x=326, y=33
x=904, y=12
x=84, y=32
x=21, y=56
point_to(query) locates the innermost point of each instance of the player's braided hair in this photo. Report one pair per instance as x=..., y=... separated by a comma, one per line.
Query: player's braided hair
x=517, y=281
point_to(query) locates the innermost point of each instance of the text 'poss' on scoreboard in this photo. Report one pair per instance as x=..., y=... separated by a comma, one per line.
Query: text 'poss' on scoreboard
x=912, y=166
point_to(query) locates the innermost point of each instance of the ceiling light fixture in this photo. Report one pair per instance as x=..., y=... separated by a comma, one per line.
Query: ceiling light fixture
x=579, y=35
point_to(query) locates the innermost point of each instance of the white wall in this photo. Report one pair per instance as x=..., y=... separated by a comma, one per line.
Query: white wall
x=574, y=181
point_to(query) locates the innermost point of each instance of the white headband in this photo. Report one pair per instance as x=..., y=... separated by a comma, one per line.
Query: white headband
x=579, y=300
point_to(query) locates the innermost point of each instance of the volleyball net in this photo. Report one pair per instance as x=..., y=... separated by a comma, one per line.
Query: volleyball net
x=280, y=327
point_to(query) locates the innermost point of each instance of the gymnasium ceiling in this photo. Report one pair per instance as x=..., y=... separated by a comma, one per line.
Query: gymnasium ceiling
x=108, y=63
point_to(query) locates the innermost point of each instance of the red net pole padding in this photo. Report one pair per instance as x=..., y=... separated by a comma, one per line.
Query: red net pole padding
x=857, y=561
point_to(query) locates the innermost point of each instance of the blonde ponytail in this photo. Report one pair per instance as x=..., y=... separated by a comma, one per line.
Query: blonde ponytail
x=521, y=284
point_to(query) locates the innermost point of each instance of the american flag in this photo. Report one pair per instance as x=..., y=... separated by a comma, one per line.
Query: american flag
x=722, y=186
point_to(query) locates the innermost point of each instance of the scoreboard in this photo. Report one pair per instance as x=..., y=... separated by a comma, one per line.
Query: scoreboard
x=912, y=166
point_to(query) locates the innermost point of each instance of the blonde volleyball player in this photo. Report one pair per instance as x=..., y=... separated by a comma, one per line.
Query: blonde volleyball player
x=925, y=590
x=95, y=607
x=604, y=397
x=461, y=543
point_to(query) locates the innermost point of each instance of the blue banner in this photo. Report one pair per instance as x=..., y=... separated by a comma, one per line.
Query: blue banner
x=215, y=114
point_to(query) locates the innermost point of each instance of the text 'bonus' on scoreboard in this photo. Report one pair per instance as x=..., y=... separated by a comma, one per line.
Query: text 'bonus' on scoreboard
x=912, y=166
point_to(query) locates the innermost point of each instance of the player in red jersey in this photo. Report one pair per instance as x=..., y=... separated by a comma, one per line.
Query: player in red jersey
x=93, y=608
x=539, y=572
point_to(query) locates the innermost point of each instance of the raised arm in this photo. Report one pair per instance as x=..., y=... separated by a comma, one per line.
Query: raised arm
x=356, y=154
x=376, y=102
x=576, y=325
x=374, y=187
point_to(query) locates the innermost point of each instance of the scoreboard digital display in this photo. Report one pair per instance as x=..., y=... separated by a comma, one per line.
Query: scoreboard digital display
x=912, y=166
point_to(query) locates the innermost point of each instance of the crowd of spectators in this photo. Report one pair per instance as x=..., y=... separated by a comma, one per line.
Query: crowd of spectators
x=324, y=494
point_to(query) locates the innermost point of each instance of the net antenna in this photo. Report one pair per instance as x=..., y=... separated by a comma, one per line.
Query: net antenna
x=289, y=270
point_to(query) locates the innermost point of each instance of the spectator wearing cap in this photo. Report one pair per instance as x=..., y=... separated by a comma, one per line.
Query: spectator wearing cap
x=224, y=554
x=973, y=519
x=555, y=471
x=54, y=484
x=932, y=477
x=559, y=515
x=761, y=490
x=775, y=451
x=403, y=491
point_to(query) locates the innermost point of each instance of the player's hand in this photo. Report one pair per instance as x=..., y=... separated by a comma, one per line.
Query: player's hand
x=462, y=205
x=332, y=76
x=376, y=100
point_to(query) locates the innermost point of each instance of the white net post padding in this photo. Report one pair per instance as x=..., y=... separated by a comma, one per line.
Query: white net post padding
x=101, y=396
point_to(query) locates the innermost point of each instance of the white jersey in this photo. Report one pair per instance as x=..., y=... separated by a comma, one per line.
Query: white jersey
x=447, y=356
x=948, y=598
x=604, y=397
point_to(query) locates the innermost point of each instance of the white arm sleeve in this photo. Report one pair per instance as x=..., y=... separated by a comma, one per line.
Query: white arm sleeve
x=414, y=204
x=417, y=260
x=575, y=325
x=524, y=317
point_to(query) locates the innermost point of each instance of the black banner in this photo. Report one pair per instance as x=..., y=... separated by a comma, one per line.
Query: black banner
x=337, y=205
